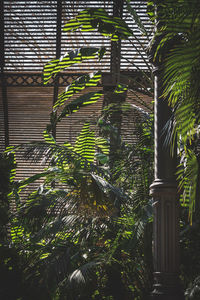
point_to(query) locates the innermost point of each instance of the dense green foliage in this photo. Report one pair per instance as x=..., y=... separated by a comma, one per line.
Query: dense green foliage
x=177, y=48
x=86, y=232
x=67, y=239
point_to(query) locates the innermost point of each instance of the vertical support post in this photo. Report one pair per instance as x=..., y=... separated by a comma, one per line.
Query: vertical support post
x=165, y=202
x=58, y=53
x=3, y=80
x=115, y=284
x=109, y=84
x=116, y=46
x=166, y=209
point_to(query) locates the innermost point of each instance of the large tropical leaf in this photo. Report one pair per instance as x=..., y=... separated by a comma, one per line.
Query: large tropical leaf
x=136, y=18
x=82, y=100
x=91, y=19
x=88, y=80
x=72, y=107
x=68, y=59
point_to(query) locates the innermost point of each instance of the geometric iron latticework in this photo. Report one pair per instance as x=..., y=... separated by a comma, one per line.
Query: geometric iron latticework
x=135, y=80
x=36, y=79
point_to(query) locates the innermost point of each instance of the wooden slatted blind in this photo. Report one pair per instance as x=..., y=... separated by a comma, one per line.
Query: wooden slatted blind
x=31, y=28
x=30, y=34
x=29, y=110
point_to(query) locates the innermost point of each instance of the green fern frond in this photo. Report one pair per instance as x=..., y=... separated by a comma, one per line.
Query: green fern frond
x=68, y=145
x=85, y=143
x=102, y=144
x=187, y=175
x=48, y=137
x=136, y=18
x=60, y=154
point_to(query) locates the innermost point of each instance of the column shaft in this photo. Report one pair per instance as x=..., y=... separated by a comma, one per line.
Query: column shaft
x=166, y=208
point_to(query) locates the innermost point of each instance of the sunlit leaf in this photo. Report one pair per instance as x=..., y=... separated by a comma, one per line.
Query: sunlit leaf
x=75, y=105
x=85, y=143
x=98, y=19
x=89, y=80
x=68, y=59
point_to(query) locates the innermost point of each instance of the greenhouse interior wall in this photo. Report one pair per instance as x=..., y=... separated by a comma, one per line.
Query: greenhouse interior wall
x=33, y=36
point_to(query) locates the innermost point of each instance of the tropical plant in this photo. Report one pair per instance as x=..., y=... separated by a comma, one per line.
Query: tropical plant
x=69, y=240
x=177, y=50
x=64, y=223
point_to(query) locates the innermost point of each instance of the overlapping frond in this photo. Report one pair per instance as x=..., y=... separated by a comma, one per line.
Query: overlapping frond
x=63, y=155
x=91, y=19
x=83, y=100
x=136, y=18
x=187, y=173
x=85, y=143
x=179, y=35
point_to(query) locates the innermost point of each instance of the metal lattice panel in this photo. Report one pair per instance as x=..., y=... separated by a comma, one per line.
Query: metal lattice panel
x=36, y=79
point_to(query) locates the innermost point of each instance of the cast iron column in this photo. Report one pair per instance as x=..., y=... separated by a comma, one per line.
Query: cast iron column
x=165, y=203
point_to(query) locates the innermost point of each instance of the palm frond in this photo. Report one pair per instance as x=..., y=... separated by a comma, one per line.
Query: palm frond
x=83, y=273
x=187, y=175
x=106, y=187
x=74, y=105
x=102, y=144
x=85, y=143
x=62, y=155
x=136, y=18
x=178, y=32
